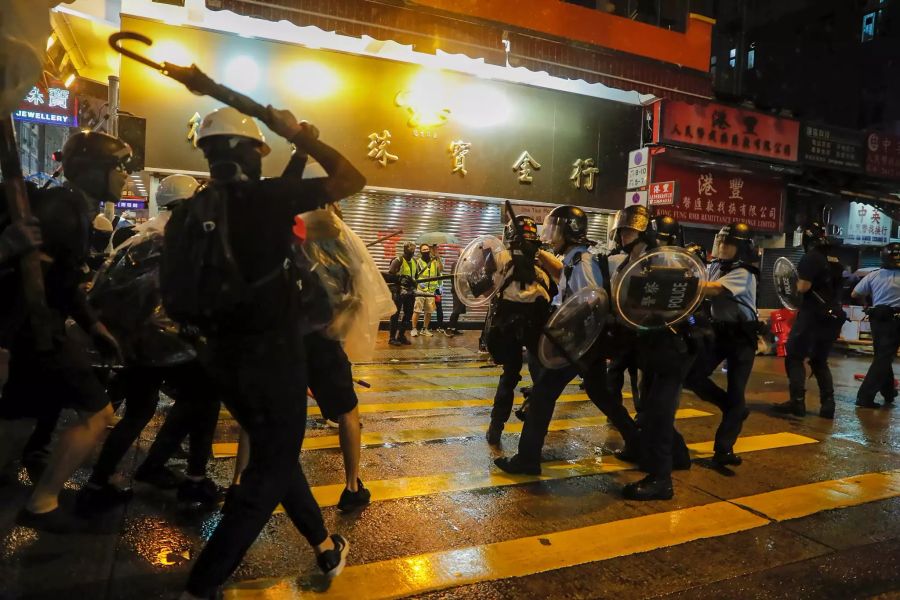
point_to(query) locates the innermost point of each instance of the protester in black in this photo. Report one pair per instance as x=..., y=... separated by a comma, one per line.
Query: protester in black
x=401, y=278
x=256, y=351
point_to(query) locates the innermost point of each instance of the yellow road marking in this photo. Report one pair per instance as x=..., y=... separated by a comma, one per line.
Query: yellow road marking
x=406, y=436
x=427, y=405
x=521, y=557
x=422, y=365
x=430, y=387
x=411, y=487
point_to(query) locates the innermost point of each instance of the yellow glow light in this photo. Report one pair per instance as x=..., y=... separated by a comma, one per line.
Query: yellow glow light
x=69, y=80
x=171, y=52
x=242, y=73
x=311, y=80
x=51, y=40
x=481, y=105
x=426, y=100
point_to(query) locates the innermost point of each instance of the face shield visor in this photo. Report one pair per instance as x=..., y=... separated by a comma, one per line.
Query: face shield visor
x=552, y=232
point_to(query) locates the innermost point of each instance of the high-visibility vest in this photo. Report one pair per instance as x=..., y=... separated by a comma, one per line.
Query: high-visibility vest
x=432, y=269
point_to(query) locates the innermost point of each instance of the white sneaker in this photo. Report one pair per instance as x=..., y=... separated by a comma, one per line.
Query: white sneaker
x=414, y=333
x=427, y=332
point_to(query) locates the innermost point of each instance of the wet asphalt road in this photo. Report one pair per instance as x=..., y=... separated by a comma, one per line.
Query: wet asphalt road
x=445, y=523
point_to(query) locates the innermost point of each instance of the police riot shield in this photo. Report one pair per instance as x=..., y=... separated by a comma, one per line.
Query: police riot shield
x=478, y=275
x=573, y=328
x=659, y=289
x=785, y=275
x=126, y=293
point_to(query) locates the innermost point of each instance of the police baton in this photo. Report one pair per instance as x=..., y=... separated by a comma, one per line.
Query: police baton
x=19, y=210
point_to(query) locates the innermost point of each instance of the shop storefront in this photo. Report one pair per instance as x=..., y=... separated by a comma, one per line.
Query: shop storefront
x=441, y=150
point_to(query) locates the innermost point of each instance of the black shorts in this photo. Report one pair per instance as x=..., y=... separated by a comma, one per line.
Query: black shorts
x=41, y=384
x=330, y=376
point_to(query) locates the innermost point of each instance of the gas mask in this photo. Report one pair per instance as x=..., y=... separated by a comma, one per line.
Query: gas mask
x=232, y=159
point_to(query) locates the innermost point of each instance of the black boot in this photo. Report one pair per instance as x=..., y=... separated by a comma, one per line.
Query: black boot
x=866, y=403
x=794, y=406
x=495, y=430
x=826, y=410
x=516, y=466
x=725, y=459
x=649, y=488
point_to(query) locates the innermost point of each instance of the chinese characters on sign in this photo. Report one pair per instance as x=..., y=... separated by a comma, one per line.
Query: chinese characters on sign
x=727, y=129
x=583, y=173
x=460, y=150
x=883, y=158
x=832, y=147
x=378, y=148
x=525, y=166
x=50, y=105
x=867, y=225
x=663, y=193
x=714, y=197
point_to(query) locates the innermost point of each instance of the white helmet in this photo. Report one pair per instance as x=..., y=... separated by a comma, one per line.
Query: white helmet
x=175, y=187
x=230, y=122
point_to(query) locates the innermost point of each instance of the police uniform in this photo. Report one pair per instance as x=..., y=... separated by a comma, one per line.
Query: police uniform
x=817, y=326
x=883, y=286
x=519, y=315
x=579, y=270
x=734, y=321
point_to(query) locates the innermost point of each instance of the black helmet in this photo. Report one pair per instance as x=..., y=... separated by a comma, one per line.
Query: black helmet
x=890, y=256
x=739, y=235
x=636, y=217
x=814, y=235
x=668, y=231
x=697, y=250
x=565, y=225
x=90, y=149
x=524, y=228
x=87, y=159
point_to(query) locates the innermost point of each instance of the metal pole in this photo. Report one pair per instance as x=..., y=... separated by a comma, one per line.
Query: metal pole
x=112, y=126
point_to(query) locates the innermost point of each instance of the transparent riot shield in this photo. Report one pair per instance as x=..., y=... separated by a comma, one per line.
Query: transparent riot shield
x=659, y=289
x=478, y=274
x=573, y=328
x=785, y=275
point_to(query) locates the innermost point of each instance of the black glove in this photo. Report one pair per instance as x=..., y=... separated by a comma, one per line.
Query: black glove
x=407, y=282
x=19, y=238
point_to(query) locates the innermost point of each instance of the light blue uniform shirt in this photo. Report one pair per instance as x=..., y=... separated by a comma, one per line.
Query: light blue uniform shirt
x=585, y=273
x=883, y=285
x=735, y=306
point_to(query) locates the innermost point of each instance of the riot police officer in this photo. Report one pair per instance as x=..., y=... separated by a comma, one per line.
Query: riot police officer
x=522, y=306
x=664, y=357
x=41, y=382
x=732, y=292
x=883, y=286
x=818, y=323
x=565, y=229
x=401, y=278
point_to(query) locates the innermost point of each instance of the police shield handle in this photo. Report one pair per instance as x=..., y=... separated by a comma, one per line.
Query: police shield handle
x=384, y=238
x=19, y=211
x=192, y=77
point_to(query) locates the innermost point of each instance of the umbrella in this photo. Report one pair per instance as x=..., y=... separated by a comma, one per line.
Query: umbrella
x=437, y=237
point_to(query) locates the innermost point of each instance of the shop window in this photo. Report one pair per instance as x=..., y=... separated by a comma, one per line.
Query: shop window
x=732, y=57
x=870, y=26
x=751, y=56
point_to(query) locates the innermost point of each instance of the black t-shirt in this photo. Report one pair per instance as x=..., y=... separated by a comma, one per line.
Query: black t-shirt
x=823, y=270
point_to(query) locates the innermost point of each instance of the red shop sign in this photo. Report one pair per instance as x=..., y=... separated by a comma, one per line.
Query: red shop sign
x=727, y=129
x=716, y=197
x=883, y=156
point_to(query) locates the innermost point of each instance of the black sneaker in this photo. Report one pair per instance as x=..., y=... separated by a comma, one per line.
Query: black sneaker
x=332, y=562
x=163, y=478
x=200, y=494
x=351, y=501
x=55, y=521
x=649, y=488
x=522, y=411
x=395, y=342
x=726, y=459
x=96, y=498
x=863, y=403
x=516, y=466
x=405, y=341
x=629, y=454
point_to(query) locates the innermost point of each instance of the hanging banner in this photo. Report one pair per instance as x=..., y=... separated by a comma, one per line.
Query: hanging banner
x=726, y=129
x=883, y=157
x=717, y=197
x=832, y=147
x=867, y=226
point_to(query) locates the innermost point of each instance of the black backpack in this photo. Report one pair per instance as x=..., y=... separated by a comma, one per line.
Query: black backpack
x=200, y=282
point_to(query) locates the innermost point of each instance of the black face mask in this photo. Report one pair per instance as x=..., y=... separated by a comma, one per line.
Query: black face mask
x=243, y=162
x=408, y=254
x=426, y=256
